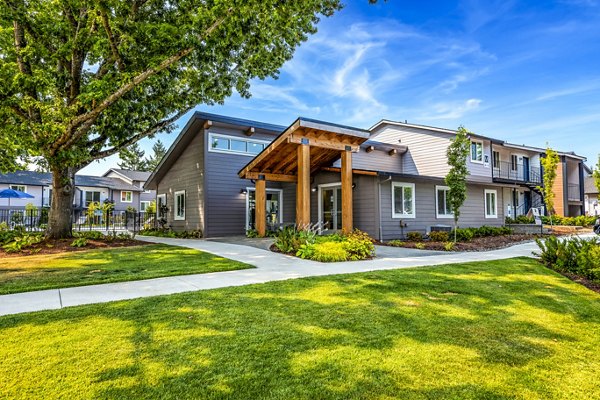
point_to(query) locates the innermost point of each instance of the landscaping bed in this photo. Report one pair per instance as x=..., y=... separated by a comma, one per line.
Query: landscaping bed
x=476, y=244
x=489, y=330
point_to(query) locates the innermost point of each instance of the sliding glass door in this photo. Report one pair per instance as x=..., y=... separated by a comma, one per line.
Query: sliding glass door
x=274, y=216
x=330, y=206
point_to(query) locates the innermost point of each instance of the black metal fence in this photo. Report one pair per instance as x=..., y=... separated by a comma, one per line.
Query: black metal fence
x=517, y=172
x=36, y=219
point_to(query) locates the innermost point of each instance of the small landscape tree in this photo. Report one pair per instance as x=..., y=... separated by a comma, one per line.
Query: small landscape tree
x=549, y=164
x=457, y=154
x=596, y=175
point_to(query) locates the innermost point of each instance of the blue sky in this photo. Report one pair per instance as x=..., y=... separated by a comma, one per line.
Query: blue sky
x=527, y=72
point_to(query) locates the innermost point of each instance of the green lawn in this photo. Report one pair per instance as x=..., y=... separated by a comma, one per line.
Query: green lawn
x=21, y=274
x=495, y=330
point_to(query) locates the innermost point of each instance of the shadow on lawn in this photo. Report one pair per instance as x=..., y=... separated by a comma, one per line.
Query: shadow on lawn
x=351, y=336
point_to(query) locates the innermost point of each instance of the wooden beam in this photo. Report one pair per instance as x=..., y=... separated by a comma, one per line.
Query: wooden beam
x=207, y=124
x=249, y=131
x=346, y=173
x=261, y=207
x=324, y=143
x=303, y=187
x=370, y=149
x=271, y=177
x=354, y=171
x=392, y=152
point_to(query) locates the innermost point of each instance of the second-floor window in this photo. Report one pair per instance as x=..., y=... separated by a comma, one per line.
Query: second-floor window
x=496, y=159
x=477, y=151
x=126, y=196
x=514, y=162
x=92, y=197
x=20, y=188
x=236, y=145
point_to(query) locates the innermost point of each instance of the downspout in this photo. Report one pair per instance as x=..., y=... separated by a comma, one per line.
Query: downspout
x=379, y=202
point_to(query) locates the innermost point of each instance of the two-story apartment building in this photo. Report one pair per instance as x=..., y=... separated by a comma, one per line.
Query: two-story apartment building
x=224, y=175
x=136, y=178
x=121, y=191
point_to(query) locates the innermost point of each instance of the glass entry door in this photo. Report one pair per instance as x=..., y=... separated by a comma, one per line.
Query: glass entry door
x=331, y=207
x=273, y=209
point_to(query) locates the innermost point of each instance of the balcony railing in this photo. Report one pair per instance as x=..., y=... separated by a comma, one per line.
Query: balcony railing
x=516, y=173
x=574, y=193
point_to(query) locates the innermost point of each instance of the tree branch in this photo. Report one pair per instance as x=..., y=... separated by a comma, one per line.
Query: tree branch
x=96, y=155
x=70, y=137
x=111, y=41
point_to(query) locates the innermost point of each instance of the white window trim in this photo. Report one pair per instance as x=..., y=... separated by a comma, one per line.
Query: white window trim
x=16, y=184
x=482, y=151
x=126, y=201
x=146, y=202
x=320, y=201
x=437, y=208
x=403, y=185
x=516, y=163
x=485, y=193
x=163, y=197
x=212, y=135
x=175, y=216
x=253, y=189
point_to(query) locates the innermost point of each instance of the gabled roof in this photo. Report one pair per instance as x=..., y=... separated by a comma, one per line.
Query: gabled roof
x=195, y=123
x=141, y=176
x=32, y=178
x=590, y=185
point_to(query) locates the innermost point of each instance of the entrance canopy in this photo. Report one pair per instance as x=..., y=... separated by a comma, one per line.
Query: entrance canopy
x=302, y=149
x=279, y=161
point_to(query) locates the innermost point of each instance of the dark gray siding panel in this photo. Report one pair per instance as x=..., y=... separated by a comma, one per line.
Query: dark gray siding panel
x=472, y=212
x=186, y=174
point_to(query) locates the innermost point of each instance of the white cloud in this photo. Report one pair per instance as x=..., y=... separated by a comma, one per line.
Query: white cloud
x=453, y=110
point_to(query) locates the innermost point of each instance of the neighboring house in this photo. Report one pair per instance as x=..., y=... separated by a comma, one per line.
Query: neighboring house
x=136, y=178
x=87, y=189
x=592, y=199
x=387, y=180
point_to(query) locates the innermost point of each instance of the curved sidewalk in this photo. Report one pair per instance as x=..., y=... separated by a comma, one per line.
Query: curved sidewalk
x=269, y=267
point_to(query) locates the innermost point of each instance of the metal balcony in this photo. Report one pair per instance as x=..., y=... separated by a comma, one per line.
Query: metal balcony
x=509, y=172
x=574, y=192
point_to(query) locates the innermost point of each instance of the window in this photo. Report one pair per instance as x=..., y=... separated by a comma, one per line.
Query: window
x=491, y=209
x=126, y=196
x=92, y=197
x=230, y=144
x=403, y=200
x=514, y=162
x=161, y=202
x=477, y=152
x=144, y=205
x=495, y=159
x=441, y=201
x=20, y=188
x=180, y=205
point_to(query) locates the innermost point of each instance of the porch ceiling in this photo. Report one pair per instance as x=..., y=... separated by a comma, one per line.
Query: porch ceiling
x=279, y=161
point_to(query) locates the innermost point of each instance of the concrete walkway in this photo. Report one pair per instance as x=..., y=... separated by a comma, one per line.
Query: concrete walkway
x=269, y=267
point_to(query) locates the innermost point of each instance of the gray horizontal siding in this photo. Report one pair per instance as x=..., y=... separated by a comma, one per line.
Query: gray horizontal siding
x=376, y=160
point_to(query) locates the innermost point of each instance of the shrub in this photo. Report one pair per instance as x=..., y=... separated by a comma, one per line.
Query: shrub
x=18, y=243
x=464, y=234
x=358, y=245
x=251, y=233
x=420, y=246
x=196, y=234
x=79, y=242
x=414, y=236
x=306, y=251
x=396, y=243
x=288, y=240
x=90, y=235
x=449, y=246
x=573, y=255
x=439, y=236
x=329, y=252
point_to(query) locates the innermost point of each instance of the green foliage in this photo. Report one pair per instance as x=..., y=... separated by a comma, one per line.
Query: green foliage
x=581, y=220
x=396, y=243
x=439, y=236
x=91, y=235
x=414, y=236
x=132, y=158
x=151, y=209
x=456, y=179
x=596, y=176
x=131, y=210
x=420, y=246
x=158, y=152
x=31, y=210
x=329, y=252
x=251, y=233
x=79, y=242
x=549, y=164
x=358, y=245
x=21, y=242
x=306, y=251
x=467, y=234
x=573, y=255
x=288, y=240
x=463, y=235
x=195, y=234
x=449, y=246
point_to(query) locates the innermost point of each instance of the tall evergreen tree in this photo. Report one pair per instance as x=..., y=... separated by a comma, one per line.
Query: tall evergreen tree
x=158, y=152
x=80, y=80
x=456, y=179
x=132, y=158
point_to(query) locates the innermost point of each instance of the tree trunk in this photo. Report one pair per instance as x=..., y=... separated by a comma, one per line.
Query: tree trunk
x=63, y=189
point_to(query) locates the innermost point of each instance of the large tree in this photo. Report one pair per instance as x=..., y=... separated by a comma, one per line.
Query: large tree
x=158, y=152
x=456, y=179
x=82, y=79
x=132, y=158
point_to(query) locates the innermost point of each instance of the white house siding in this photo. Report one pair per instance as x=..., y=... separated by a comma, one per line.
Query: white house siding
x=79, y=197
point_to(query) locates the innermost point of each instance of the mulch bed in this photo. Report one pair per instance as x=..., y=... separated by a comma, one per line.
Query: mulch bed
x=595, y=286
x=55, y=246
x=476, y=244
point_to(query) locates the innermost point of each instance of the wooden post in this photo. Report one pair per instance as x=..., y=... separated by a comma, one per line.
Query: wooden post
x=261, y=207
x=303, y=187
x=346, y=172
